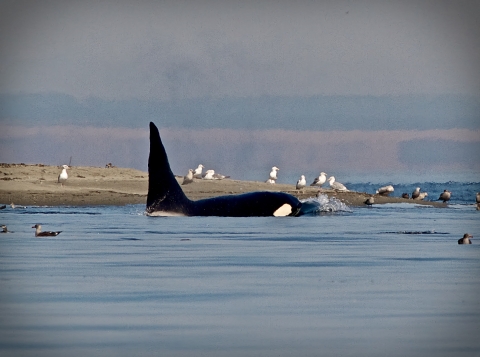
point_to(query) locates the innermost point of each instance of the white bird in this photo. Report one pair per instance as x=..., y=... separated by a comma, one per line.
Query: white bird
x=320, y=180
x=336, y=185
x=369, y=201
x=219, y=176
x=62, y=178
x=209, y=175
x=385, y=190
x=270, y=181
x=198, y=171
x=416, y=193
x=188, y=178
x=421, y=196
x=273, y=173
x=301, y=183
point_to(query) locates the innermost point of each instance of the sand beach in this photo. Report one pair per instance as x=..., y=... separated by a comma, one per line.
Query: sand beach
x=36, y=184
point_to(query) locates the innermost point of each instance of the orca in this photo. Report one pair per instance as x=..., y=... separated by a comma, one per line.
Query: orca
x=166, y=198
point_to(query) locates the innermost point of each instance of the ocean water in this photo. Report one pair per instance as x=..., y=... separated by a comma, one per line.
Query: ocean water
x=389, y=280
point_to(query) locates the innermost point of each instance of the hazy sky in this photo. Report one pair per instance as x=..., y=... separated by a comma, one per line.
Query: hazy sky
x=378, y=76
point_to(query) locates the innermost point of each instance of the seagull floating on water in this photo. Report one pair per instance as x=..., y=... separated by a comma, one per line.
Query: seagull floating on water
x=62, y=178
x=39, y=233
x=320, y=180
x=336, y=185
x=465, y=239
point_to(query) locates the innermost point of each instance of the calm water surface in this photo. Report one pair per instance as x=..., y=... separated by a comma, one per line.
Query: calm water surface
x=387, y=280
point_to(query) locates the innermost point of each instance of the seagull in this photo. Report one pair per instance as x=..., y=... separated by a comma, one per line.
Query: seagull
x=369, y=201
x=421, y=196
x=445, y=196
x=219, y=176
x=320, y=180
x=336, y=185
x=273, y=173
x=385, y=190
x=301, y=183
x=465, y=239
x=416, y=193
x=62, y=178
x=188, y=178
x=4, y=229
x=198, y=171
x=39, y=233
x=209, y=175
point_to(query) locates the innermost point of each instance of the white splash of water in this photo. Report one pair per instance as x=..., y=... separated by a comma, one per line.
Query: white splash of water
x=324, y=204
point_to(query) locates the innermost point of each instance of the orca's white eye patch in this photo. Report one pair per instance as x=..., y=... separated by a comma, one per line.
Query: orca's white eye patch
x=283, y=210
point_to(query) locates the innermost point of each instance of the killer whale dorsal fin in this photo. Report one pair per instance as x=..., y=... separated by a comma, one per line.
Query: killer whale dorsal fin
x=164, y=192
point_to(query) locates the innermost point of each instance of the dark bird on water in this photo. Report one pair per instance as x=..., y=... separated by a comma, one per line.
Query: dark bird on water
x=465, y=239
x=39, y=233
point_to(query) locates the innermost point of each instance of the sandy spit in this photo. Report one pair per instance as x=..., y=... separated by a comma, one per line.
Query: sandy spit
x=36, y=185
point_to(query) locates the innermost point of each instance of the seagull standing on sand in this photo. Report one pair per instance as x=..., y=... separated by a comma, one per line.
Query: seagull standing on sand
x=39, y=233
x=421, y=196
x=369, y=201
x=198, y=171
x=273, y=173
x=465, y=239
x=336, y=185
x=188, y=178
x=445, y=196
x=301, y=183
x=209, y=175
x=416, y=193
x=320, y=180
x=385, y=190
x=62, y=178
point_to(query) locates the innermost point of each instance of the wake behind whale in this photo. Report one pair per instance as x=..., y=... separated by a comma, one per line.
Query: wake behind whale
x=166, y=198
